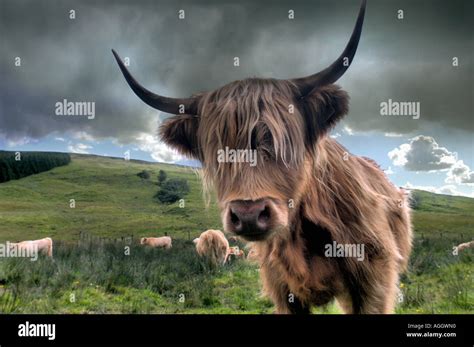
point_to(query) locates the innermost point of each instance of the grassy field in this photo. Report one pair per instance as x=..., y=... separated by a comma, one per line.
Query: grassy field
x=95, y=275
x=111, y=201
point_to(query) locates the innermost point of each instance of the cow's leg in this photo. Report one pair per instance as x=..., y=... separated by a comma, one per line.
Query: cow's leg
x=297, y=307
x=285, y=302
x=373, y=291
x=382, y=291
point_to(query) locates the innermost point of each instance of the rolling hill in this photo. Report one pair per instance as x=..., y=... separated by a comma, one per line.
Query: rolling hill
x=112, y=201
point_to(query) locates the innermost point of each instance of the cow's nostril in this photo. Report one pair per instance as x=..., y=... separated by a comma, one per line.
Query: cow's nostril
x=234, y=218
x=264, y=216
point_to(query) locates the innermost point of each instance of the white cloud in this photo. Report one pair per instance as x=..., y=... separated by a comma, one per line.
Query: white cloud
x=19, y=141
x=431, y=189
x=80, y=148
x=398, y=155
x=157, y=149
x=82, y=136
x=389, y=171
x=393, y=135
x=335, y=136
x=422, y=154
x=460, y=173
x=61, y=139
x=449, y=190
x=347, y=130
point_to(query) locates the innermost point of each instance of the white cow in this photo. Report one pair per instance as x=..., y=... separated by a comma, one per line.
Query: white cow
x=464, y=245
x=162, y=242
x=44, y=246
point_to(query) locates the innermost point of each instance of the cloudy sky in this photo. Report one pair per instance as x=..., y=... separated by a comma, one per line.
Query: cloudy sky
x=425, y=57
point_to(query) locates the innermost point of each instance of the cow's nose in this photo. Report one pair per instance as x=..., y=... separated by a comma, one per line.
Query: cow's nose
x=250, y=218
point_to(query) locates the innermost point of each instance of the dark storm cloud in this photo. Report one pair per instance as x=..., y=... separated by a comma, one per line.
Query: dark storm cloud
x=406, y=60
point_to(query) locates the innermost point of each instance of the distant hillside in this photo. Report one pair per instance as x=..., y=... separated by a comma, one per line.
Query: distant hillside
x=112, y=201
x=443, y=215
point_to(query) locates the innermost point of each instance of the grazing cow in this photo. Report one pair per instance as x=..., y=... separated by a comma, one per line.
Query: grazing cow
x=213, y=245
x=464, y=246
x=161, y=242
x=304, y=195
x=236, y=252
x=42, y=246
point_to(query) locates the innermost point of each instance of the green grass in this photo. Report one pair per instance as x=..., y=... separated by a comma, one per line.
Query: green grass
x=95, y=277
x=112, y=201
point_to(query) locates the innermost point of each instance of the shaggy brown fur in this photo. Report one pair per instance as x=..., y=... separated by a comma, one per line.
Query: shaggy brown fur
x=304, y=193
x=318, y=193
x=213, y=245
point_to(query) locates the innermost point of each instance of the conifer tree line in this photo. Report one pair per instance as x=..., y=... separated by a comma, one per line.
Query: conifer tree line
x=15, y=165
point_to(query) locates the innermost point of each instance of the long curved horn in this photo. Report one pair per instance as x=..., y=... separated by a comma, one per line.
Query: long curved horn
x=162, y=103
x=333, y=72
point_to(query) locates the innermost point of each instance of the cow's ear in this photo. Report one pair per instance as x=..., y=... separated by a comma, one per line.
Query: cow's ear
x=322, y=109
x=179, y=132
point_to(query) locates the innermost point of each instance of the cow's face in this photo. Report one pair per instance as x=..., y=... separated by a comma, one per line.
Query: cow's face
x=256, y=139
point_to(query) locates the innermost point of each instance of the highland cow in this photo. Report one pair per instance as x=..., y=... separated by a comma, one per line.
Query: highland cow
x=157, y=242
x=461, y=247
x=213, y=245
x=235, y=253
x=305, y=191
x=44, y=246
